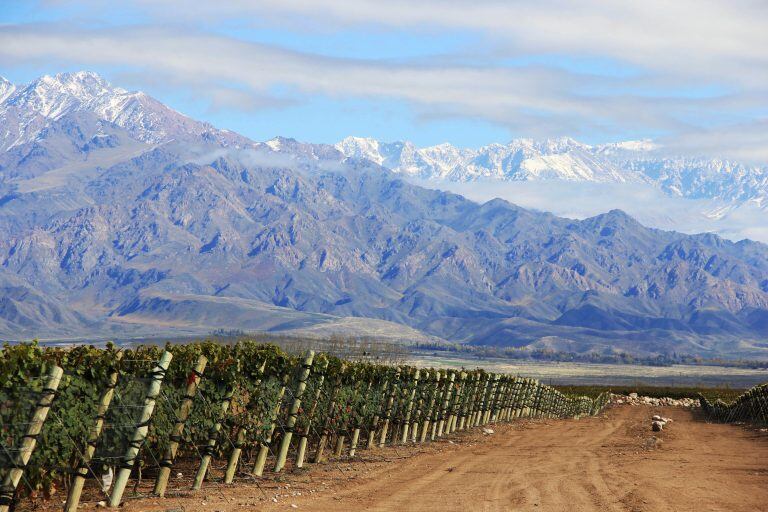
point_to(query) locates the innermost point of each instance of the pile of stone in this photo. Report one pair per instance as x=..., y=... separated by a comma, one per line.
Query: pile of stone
x=658, y=423
x=634, y=399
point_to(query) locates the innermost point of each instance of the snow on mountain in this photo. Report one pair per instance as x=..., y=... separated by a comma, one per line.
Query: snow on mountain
x=566, y=159
x=520, y=160
x=6, y=89
x=26, y=110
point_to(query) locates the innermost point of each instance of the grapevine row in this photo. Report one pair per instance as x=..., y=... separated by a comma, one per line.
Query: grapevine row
x=751, y=407
x=250, y=407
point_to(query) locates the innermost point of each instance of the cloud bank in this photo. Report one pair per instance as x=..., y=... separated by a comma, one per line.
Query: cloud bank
x=688, y=72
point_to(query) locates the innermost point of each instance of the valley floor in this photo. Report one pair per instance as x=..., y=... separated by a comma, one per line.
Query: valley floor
x=604, y=463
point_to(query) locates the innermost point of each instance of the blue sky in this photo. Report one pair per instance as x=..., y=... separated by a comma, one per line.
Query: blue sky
x=693, y=75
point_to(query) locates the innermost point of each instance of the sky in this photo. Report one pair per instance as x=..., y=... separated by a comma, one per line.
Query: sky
x=691, y=74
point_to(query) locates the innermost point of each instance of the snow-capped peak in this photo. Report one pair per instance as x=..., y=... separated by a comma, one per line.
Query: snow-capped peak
x=361, y=147
x=6, y=89
x=28, y=109
x=642, y=145
x=520, y=159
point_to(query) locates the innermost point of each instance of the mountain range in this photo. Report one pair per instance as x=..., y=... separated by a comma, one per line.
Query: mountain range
x=121, y=217
x=569, y=160
x=577, y=180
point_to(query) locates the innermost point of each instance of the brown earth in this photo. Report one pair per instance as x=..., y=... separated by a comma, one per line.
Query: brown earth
x=606, y=463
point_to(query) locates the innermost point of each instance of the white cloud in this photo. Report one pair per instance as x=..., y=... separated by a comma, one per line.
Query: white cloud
x=700, y=69
x=579, y=200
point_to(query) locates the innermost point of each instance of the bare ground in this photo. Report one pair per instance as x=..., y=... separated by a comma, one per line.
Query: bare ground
x=607, y=463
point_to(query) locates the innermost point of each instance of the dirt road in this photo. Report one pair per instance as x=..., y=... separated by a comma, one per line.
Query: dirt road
x=601, y=464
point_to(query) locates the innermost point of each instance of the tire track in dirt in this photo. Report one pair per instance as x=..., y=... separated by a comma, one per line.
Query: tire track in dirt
x=593, y=464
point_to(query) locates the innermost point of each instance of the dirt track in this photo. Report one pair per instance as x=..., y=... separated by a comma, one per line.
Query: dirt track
x=601, y=464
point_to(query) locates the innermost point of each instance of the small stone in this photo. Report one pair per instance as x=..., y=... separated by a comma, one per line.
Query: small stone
x=101, y=504
x=293, y=505
x=657, y=426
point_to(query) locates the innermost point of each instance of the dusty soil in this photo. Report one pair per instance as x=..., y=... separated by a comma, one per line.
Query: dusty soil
x=607, y=463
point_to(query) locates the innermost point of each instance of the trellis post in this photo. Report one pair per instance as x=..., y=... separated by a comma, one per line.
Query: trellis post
x=388, y=409
x=178, y=428
x=213, y=437
x=76, y=489
x=302, y=450
x=29, y=441
x=293, y=413
x=409, y=409
x=261, y=457
x=142, y=428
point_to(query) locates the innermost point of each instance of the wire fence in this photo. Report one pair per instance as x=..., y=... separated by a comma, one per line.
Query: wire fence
x=153, y=421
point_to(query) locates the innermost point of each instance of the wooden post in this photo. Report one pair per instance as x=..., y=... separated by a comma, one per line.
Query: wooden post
x=466, y=407
x=430, y=408
x=328, y=418
x=76, y=489
x=418, y=413
x=242, y=437
x=436, y=413
x=261, y=457
x=388, y=409
x=458, y=400
x=29, y=441
x=213, y=439
x=178, y=428
x=293, y=413
x=481, y=405
x=409, y=409
x=310, y=416
x=375, y=422
x=446, y=403
x=359, y=415
x=142, y=428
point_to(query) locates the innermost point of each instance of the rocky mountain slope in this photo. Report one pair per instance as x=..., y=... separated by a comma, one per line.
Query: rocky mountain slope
x=115, y=228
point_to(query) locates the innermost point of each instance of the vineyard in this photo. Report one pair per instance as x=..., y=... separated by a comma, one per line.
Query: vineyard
x=88, y=421
x=750, y=407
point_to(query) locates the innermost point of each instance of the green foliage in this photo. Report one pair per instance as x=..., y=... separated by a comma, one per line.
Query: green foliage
x=257, y=380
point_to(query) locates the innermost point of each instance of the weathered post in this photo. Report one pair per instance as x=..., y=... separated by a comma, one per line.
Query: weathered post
x=213, y=439
x=359, y=415
x=304, y=434
x=242, y=435
x=438, y=408
x=388, y=409
x=375, y=423
x=285, y=443
x=481, y=405
x=81, y=472
x=142, y=428
x=178, y=428
x=409, y=409
x=29, y=441
x=446, y=403
x=261, y=457
x=329, y=417
x=451, y=412
x=425, y=425
x=468, y=402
